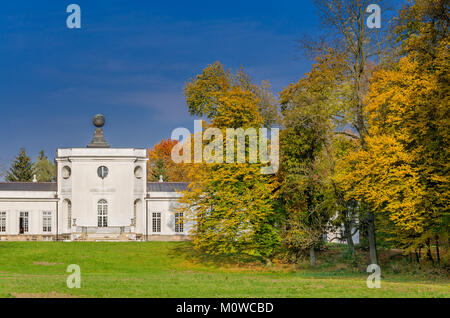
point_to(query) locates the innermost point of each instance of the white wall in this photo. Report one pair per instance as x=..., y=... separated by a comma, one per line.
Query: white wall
x=84, y=188
x=165, y=203
x=35, y=209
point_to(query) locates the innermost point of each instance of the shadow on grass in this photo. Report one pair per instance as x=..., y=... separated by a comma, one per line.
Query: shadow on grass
x=188, y=251
x=334, y=261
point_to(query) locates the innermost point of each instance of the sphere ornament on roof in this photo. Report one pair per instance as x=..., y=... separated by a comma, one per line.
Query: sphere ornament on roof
x=99, y=140
x=99, y=120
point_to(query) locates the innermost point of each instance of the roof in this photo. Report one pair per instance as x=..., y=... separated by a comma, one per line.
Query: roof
x=51, y=186
x=167, y=186
x=27, y=186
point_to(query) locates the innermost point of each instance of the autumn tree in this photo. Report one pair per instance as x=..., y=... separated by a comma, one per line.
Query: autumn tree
x=313, y=111
x=203, y=92
x=161, y=164
x=231, y=204
x=305, y=194
x=267, y=102
x=347, y=34
x=403, y=171
x=424, y=29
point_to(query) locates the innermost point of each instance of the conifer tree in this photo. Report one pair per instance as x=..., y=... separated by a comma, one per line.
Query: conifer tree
x=21, y=169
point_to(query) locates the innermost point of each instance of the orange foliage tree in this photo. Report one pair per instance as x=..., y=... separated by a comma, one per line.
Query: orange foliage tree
x=161, y=164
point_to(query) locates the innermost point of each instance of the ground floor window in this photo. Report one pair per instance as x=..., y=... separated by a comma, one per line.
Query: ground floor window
x=2, y=221
x=179, y=223
x=102, y=209
x=69, y=215
x=156, y=222
x=23, y=222
x=47, y=221
x=137, y=206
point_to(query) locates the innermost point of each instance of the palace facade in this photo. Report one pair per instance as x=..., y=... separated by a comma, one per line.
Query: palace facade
x=100, y=194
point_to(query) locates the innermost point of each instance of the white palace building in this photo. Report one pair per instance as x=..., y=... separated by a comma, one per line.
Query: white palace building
x=100, y=194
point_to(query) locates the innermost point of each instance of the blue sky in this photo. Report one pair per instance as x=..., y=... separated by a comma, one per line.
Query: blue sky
x=130, y=61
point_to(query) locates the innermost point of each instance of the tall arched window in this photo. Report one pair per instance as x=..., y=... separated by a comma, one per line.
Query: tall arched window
x=136, y=207
x=69, y=214
x=179, y=222
x=102, y=209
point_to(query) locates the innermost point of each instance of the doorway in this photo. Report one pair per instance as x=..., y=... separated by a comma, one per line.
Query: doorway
x=23, y=222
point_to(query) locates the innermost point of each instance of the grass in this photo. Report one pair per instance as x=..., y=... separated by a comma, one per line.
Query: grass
x=163, y=269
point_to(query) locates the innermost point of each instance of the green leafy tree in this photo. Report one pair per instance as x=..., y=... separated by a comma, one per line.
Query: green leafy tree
x=360, y=47
x=231, y=204
x=306, y=188
x=305, y=193
x=324, y=97
x=204, y=91
x=44, y=169
x=21, y=169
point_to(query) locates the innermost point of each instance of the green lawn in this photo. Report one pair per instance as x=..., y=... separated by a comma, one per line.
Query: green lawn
x=159, y=269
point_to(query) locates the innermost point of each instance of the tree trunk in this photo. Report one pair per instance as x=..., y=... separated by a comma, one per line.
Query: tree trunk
x=417, y=256
x=438, y=256
x=372, y=239
x=312, y=256
x=430, y=257
x=349, y=238
x=268, y=262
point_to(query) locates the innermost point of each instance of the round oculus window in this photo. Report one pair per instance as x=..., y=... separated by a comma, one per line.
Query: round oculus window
x=66, y=172
x=138, y=172
x=102, y=172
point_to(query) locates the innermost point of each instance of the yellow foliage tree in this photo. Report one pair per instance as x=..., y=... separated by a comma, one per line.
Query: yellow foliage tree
x=230, y=204
x=403, y=172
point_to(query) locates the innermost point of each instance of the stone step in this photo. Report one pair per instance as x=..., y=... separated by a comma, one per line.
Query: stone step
x=97, y=237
